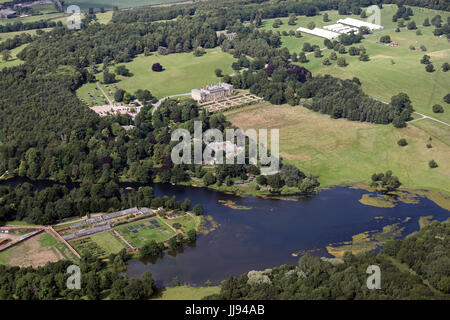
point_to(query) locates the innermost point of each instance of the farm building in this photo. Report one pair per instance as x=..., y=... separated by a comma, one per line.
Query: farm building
x=358, y=24
x=341, y=28
x=320, y=33
x=7, y=13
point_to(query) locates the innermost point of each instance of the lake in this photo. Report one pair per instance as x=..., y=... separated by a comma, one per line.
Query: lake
x=267, y=234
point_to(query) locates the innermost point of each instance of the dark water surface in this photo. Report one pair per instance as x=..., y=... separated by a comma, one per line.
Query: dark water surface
x=269, y=232
x=266, y=235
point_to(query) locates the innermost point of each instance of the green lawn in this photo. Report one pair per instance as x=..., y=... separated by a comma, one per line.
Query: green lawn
x=182, y=72
x=83, y=93
x=146, y=232
x=186, y=221
x=187, y=293
x=342, y=151
x=108, y=242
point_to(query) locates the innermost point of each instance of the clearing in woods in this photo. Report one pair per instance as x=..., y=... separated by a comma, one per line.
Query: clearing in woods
x=36, y=252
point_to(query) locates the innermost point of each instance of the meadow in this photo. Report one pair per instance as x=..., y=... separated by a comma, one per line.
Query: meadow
x=391, y=69
x=109, y=4
x=182, y=72
x=347, y=152
x=186, y=293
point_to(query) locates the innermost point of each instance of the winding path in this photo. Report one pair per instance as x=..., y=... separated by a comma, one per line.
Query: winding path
x=157, y=104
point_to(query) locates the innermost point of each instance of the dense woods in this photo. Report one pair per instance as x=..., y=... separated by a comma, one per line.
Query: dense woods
x=426, y=252
x=55, y=203
x=98, y=280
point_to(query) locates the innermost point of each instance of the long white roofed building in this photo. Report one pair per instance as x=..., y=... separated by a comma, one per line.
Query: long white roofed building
x=320, y=33
x=359, y=23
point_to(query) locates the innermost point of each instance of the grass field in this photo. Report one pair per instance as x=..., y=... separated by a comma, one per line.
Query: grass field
x=100, y=99
x=380, y=77
x=186, y=293
x=109, y=4
x=342, y=151
x=182, y=73
x=36, y=251
x=142, y=231
x=100, y=245
x=108, y=242
x=187, y=222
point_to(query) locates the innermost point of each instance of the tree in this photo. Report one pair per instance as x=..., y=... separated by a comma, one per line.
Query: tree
x=218, y=72
x=418, y=32
x=333, y=55
x=307, y=47
x=425, y=60
x=385, y=39
x=302, y=57
x=191, y=235
x=447, y=98
x=311, y=25
x=402, y=142
x=364, y=57
x=108, y=77
x=199, y=51
x=209, y=179
x=426, y=22
x=317, y=53
x=198, y=209
x=326, y=62
x=411, y=25
x=292, y=19
x=432, y=164
x=123, y=71
x=261, y=180
x=275, y=181
x=386, y=181
x=6, y=55
x=429, y=67
x=157, y=67
x=437, y=108
x=353, y=51
x=148, y=284
x=445, y=67
x=341, y=62
x=325, y=17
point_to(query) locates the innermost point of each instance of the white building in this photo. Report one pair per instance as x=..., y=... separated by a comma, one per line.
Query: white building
x=212, y=92
x=341, y=28
x=320, y=33
x=358, y=24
